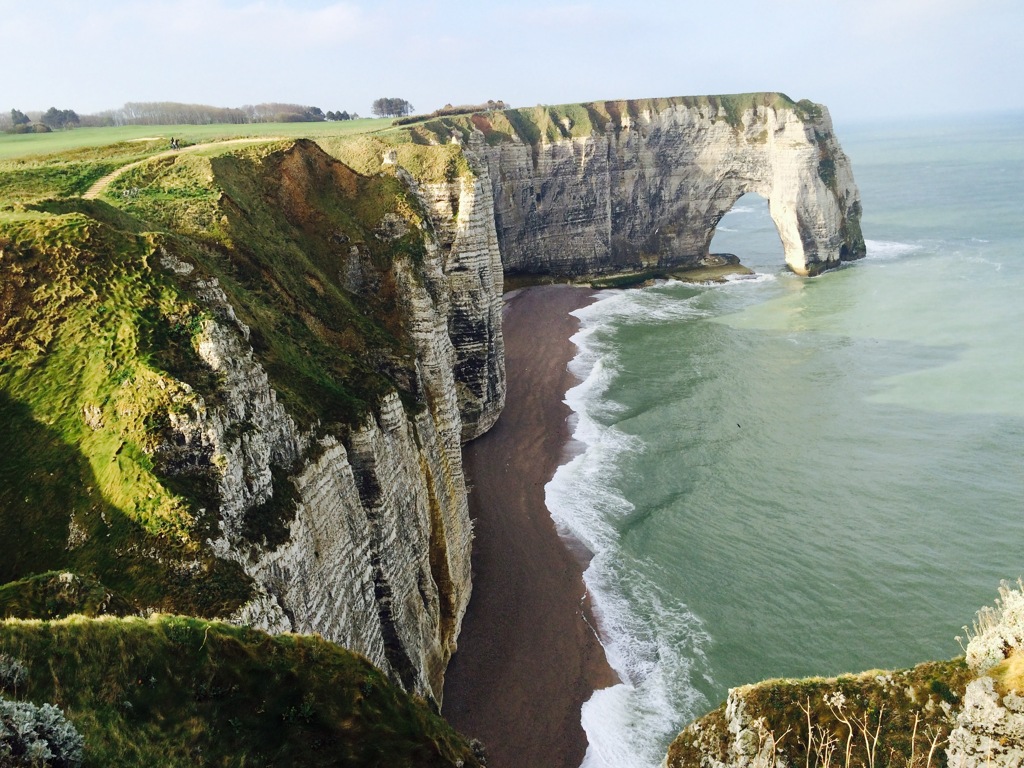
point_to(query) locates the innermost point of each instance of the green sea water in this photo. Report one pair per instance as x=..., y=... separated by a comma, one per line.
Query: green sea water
x=784, y=476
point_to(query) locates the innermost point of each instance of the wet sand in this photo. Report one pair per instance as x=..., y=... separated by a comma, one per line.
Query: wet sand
x=528, y=657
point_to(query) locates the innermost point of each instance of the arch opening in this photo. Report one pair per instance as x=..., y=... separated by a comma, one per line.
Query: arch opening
x=748, y=231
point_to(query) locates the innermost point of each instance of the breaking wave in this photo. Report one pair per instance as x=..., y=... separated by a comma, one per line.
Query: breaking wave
x=652, y=641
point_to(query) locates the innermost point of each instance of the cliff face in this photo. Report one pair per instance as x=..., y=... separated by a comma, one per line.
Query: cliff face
x=286, y=365
x=376, y=555
x=620, y=186
x=461, y=213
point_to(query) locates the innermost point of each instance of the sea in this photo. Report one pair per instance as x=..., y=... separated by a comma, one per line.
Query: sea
x=782, y=476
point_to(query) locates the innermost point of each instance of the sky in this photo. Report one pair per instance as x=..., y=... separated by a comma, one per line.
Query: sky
x=864, y=59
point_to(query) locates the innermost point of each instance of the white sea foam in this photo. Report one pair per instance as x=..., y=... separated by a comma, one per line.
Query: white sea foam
x=757, y=277
x=884, y=249
x=644, y=306
x=652, y=641
x=996, y=265
x=730, y=281
x=654, y=645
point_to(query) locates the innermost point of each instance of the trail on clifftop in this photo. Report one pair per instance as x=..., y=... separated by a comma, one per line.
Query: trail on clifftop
x=101, y=185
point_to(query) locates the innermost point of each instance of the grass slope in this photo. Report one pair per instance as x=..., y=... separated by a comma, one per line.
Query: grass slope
x=79, y=379
x=63, y=142
x=174, y=691
x=55, y=594
x=98, y=344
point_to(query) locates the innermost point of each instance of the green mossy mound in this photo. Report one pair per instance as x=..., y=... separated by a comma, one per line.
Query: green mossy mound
x=173, y=691
x=56, y=595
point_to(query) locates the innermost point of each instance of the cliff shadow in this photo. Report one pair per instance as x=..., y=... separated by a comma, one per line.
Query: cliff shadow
x=53, y=516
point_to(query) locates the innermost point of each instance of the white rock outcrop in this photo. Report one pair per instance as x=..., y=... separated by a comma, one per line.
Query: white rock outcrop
x=650, y=190
x=990, y=729
x=990, y=726
x=462, y=216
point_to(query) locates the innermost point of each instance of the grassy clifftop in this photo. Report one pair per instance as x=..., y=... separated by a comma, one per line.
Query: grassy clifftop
x=174, y=691
x=964, y=712
x=545, y=124
x=99, y=340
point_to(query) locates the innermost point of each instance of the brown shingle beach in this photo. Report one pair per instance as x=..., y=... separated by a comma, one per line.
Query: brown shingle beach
x=527, y=658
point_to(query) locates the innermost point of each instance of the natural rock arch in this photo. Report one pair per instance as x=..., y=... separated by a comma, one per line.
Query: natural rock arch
x=797, y=168
x=648, y=190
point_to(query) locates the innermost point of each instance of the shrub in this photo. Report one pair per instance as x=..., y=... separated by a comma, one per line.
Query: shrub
x=35, y=736
x=13, y=674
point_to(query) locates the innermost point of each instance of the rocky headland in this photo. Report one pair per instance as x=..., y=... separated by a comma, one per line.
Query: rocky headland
x=640, y=185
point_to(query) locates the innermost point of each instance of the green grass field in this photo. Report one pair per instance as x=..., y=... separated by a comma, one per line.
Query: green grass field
x=26, y=145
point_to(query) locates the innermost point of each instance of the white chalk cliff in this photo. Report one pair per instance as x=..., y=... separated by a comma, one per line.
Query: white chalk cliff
x=376, y=553
x=647, y=183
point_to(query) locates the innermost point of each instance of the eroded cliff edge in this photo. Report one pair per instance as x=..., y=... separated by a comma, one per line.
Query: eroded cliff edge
x=964, y=713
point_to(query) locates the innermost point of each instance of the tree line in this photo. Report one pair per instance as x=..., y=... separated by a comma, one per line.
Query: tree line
x=175, y=113
x=52, y=119
x=391, y=107
x=167, y=113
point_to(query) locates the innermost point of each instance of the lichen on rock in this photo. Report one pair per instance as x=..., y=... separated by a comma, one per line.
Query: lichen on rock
x=990, y=727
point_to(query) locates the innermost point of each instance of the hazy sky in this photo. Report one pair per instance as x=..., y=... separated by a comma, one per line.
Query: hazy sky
x=862, y=58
